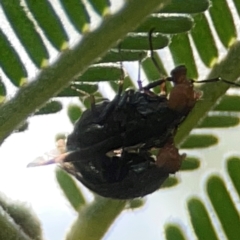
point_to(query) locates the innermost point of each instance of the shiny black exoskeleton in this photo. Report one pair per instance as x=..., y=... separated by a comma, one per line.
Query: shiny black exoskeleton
x=109, y=147
x=125, y=176
x=131, y=118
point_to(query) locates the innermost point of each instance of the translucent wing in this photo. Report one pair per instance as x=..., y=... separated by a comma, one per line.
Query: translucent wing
x=56, y=155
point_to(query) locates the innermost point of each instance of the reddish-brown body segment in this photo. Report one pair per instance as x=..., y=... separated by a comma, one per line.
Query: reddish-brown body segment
x=182, y=96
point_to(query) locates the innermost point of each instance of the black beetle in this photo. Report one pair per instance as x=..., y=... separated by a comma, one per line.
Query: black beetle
x=132, y=123
x=109, y=149
x=127, y=175
x=135, y=117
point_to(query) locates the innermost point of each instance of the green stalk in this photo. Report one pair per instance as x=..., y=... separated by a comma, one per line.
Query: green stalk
x=73, y=62
x=95, y=219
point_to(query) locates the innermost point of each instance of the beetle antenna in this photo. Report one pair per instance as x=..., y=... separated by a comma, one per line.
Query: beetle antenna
x=218, y=79
x=163, y=89
x=152, y=52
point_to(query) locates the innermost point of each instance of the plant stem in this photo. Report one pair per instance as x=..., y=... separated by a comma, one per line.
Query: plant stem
x=95, y=219
x=73, y=62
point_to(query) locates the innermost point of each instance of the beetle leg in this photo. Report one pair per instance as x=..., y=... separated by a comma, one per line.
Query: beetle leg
x=152, y=52
x=161, y=82
x=111, y=106
x=108, y=108
x=155, y=84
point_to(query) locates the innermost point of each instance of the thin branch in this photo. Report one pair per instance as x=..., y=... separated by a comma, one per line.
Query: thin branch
x=95, y=219
x=73, y=62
